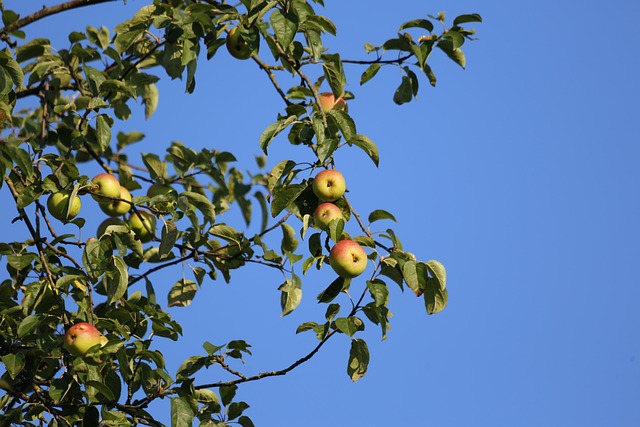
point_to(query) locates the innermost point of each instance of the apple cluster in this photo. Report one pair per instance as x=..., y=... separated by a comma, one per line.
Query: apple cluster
x=347, y=258
x=114, y=200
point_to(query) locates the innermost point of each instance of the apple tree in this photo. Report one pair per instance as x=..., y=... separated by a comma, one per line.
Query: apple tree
x=80, y=315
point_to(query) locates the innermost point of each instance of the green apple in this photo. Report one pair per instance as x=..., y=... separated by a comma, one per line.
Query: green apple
x=81, y=337
x=158, y=189
x=106, y=223
x=143, y=224
x=59, y=204
x=324, y=214
x=118, y=207
x=237, y=45
x=348, y=259
x=328, y=102
x=105, y=184
x=329, y=185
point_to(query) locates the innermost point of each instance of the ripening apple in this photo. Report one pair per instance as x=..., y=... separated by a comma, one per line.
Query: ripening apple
x=325, y=213
x=328, y=102
x=106, y=223
x=117, y=207
x=106, y=185
x=81, y=337
x=348, y=259
x=143, y=224
x=237, y=45
x=158, y=189
x=329, y=185
x=58, y=205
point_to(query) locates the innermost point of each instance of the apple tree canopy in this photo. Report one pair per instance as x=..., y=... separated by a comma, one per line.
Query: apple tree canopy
x=61, y=107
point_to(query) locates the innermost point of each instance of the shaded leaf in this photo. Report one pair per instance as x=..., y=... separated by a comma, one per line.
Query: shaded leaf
x=358, y=359
x=182, y=413
x=367, y=146
x=182, y=293
x=380, y=214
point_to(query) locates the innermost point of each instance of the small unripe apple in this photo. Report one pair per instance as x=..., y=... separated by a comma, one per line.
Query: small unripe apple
x=143, y=224
x=329, y=185
x=328, y=102
x=60, y=203
x=106, y=185
x=117, y=207
x=81, y=337
x=158, y=189
x=348, y=259
x=237, y=45
x=324, y=214
x=106, y=223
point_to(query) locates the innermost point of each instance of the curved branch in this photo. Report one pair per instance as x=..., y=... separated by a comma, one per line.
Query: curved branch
x=48, y=11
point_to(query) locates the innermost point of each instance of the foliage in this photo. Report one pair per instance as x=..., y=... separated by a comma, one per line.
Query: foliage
x=54, y=280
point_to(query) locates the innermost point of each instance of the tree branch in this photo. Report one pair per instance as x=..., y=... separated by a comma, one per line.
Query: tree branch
x=48, y=11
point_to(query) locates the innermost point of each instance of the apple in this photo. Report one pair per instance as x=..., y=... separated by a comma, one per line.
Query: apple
x=348, y=259
x=158, y=189
x=329, y=185
x=117, y=207
x=106, y=223
x=81, y=337
x=143, y=224
x=324, y=214
x=105, y=185
x=237, y=45
x=58, y=205
x=328, y=102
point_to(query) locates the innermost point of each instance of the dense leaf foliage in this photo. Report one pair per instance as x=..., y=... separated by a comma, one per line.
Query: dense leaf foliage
x=171, y=211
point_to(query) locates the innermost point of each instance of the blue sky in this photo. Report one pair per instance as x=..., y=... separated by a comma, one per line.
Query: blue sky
x=520, y=174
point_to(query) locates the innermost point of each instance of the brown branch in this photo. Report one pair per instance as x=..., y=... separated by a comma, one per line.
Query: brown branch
x=48, y=11
x=272, y=373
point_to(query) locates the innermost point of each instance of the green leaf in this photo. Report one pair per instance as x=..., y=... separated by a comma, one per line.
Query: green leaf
x=417, y=23
x=334, y=73
x=168, y=240
x=404, y=92
x=438, y=272
x=435, y=298
x=236, y=409
x=345, y=123
x=358, y=359
x=349, y=325
x=102, y=389
x=332, y=291
x=103, y=130
x=291, y=294
x=202, y=203
x=33, y=49
x=456, y=55
x=415, y=275
x=285, y=26
x=455, y=38
x=289, y=240
x=380, y=214
x=463, y=19
x=182, y=414
x=284, y=196
x=182, y=293
x=91, y=417
x=379, y=292
x=227, y=393
x=273, y=130
x=14, y=363
x=367, y=146
x=116, y=279
x=370, y=72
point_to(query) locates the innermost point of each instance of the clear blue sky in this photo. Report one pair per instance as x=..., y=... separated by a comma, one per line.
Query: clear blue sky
x=520, y=174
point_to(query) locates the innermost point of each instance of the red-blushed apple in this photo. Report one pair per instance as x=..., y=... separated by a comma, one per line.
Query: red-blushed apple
x=143, y=224
x=60, y=203
x=329, y=185
x=81, y=337
x=102, y=228
x=237, y=45
x=325, y=213
x=105, y=185
x=328, y=102
x=117, y=207
x=348, y=259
